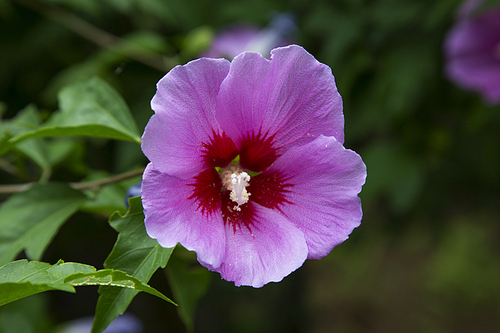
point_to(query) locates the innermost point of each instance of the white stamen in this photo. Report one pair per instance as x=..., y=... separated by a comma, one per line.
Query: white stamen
x=239, y=193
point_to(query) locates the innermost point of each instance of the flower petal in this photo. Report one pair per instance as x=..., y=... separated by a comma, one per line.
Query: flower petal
x=473, y=54
x=291, y=98
x=171, y=217
x=184, y=119
x=322, y=200
x=232, y=41
x=266, y=252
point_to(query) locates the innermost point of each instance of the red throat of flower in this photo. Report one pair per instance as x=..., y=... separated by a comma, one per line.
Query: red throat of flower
x=232, y=190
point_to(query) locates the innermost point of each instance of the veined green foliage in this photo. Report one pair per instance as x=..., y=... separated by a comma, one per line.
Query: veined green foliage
x=87, y=108
x=24, y=278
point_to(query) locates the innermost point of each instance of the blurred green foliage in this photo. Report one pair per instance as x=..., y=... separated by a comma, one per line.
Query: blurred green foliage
x=425, y=258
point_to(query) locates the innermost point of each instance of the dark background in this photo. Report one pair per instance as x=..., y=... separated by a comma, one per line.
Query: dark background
x=426, y=257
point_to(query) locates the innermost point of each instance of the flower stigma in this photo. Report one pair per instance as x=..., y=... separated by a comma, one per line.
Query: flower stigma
x=236, y=181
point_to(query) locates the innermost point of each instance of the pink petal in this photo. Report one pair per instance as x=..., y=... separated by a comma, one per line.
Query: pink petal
x=270, y=251
x=292, y=96
x=171, y=217
x=325, y=180
x=184, y=118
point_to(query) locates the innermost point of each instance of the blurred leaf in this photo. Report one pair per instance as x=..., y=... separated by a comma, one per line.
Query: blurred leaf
x=245, y=10
x=88, y=108
x=34, y=148
x=395, y=92
x=15, y=322
x=128, y=156
x=94, y=65
x=341, y=32
x=112, y=278
x=23, y=278
x=59, y=149
x=30, y=219
x=197, y=41
x=26, y=120
x=134, y=253
x=3, y=108
x=405, y=72
x=188, y=285
x=392, y=15
x=107, y=60
x=465, y=265
x=393, y=172
x=153, y=8
x=27, y=315
x=142, y=42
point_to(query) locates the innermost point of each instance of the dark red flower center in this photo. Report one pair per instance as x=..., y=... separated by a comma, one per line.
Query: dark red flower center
x=256, y=153
x=237, y=218
x=207, y=191
x=269, y=189
x=219, y=151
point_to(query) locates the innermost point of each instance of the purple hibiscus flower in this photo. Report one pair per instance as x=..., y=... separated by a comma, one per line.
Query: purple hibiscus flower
x=472, y=50
x=247, y=164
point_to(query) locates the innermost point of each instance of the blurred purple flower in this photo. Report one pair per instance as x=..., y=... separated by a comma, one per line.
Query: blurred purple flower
x=238, y=38
x=247, y=164
x=123, y=324
x=472, y=50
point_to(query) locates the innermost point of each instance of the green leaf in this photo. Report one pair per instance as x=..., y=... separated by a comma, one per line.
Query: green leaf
x=34, y=148
x=60, y=149
x=88, y=108
x=188, y=283
x=23, y=278
x=112, y=278
x=43, y=152
x=30, y=219
x=134, y=253
x=26, y=120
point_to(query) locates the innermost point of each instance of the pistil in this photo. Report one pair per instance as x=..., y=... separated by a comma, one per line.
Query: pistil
x=239, y=193
x=236, y=181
